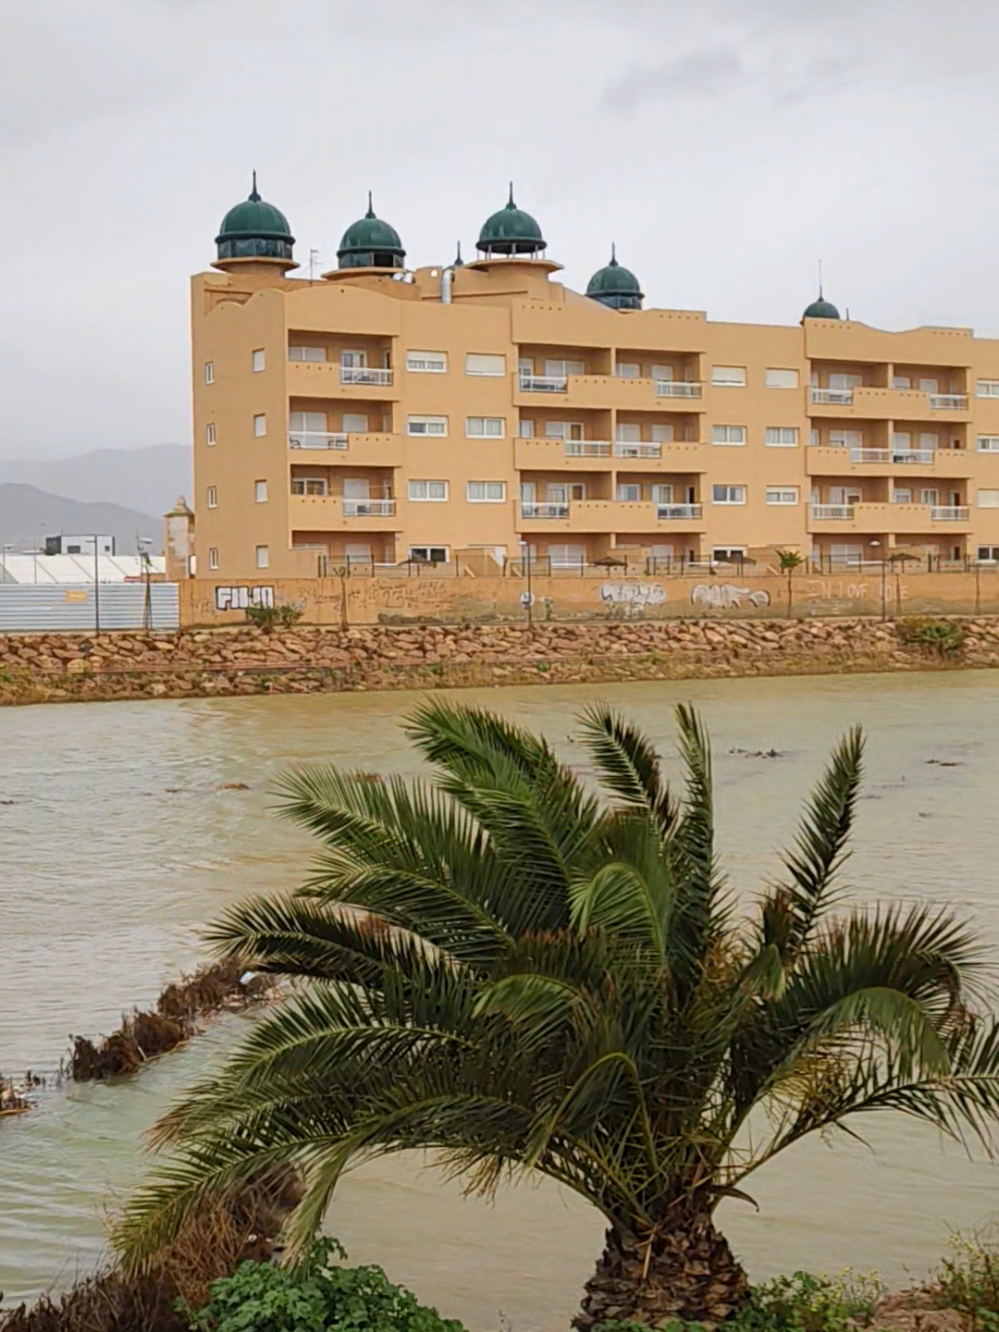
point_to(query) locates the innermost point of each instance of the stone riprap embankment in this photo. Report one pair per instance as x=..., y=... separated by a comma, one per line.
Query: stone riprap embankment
x=39, y=668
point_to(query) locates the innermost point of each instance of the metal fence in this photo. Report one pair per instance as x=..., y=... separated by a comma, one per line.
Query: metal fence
x=27, y=608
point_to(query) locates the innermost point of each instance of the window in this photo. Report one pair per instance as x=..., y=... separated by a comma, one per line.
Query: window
x=213, y=497
x=479, y=363
x=485, y=427
x=565, y=556
x=902, y=495
x=988, y=443
x=661, y=434
x=428, y=490
x=662, y=373
x=901, y=440
x=209, y=372
x=728, y=376
x=429, y=554
x=355, y=360
x=780, y=379
x=988, y=499
x=929, y=497
x=727, y=434
x=662, y=493
x=263, y=557
x=562, y=369
x=628, y=432
x=260, y=492
x=989, y=554
x=308, y=485
x=929, y=386
x=780, y=495
x=781, y=437
x=841, y=381
x=354, y=423
x=525, y=429
x=260, y=425
x=628, y=370
x=257, y=360
x=901, y=382
x=306, y=353
x=563, y=430
x=627, y=493
x=485, y=492
x=428, y=363
x=988, y=388
x=846, y=439
x=728, y=554
x=728, y=494
x=426, y=425
x=213, y=557
x=210, y=433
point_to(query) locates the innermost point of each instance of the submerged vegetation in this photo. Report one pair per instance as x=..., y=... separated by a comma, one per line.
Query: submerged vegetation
x=506, y=969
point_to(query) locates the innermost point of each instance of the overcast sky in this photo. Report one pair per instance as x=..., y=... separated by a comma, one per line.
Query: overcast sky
x=724, y=144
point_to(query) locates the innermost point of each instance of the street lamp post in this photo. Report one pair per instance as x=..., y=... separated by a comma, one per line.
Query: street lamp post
x=526, y=548
x=147, y=605
x=97, y=590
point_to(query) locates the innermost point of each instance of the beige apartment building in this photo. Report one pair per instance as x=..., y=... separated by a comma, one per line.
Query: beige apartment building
x=384, y=414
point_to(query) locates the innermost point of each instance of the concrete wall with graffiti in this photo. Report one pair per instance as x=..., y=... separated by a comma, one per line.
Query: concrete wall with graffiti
x=428, y=599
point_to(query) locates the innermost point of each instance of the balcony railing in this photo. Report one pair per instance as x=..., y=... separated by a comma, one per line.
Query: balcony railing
x=677, y=388
x=587, y=448
x=950, y=513
x=832, y=512
x=949, y=402
x=531, y=383
x=312, y=439
x=364, y=374
x=672, y=512
x=368, y=508
x=546, y=509
x=632, y=449
x=900, y=456
x=832, y=397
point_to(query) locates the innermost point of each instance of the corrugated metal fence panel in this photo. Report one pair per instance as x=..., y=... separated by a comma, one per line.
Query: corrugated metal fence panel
x=25, y=608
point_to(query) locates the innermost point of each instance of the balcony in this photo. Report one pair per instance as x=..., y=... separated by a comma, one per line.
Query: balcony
x=530, y=383
x=550, y=510
x=587, y=448
x=614, y=516
x=634, y=449
x=948, y=402
x=950, y=513
x=672, y=513
x=368, y=508
x=676, y=388
x=900, y=457
x=310, y=439
x=603, y=392
x=590, y=455
x=365, y=374
x=825, y=513
x=884, y=404
x=331, y=513
x=842, y=460
x=888, y=516
x=826, y=397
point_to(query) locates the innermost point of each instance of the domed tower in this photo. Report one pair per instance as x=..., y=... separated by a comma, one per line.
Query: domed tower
x=615, y=287
x=510, y=233
x=255, y=232
x=820, y=309
x=371, y=243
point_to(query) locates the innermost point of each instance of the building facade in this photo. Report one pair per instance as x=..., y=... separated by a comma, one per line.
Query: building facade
x=381, y=414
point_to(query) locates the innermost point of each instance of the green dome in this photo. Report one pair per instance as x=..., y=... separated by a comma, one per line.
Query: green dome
x=254, y=229
x=821, y=309
x=511, y=231
x=371, y=243
x=615, y=287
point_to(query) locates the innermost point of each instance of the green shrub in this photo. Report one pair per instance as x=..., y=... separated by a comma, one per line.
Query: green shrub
x=944, y=637
x=314, y=1295
x=968, y=1280
x=270, y=618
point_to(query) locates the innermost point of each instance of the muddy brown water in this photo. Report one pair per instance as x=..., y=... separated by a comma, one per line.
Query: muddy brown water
x=126, y=833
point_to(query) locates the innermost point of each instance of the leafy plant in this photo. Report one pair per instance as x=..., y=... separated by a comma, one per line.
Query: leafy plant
x=314, y=1295
x=270, y=618
x=968, y=1280
x=790, y=561
x=945, y=637
x=520, y=976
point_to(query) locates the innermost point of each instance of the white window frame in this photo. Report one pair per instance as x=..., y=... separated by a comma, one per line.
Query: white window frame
x=633, y=495
x=989, y=504
x=720, y=554
x=662, y=432
x=318, y=358
x=260, y=492
x=627, y=369
x=772, y=377
x=782, y=495
x=210, y=434
x=445, y=551
x=487, y=356
x=416, y=485
x=728, y=489
x=987, y=388
x=728, y=376
x=258, y=360
x=259, y=425
x=729, y=442
x=426, y=427
x=987, y=444
x=901, y=383
x=780, y=442
x=844, y=382
x=901, y=495
x=484, y=433
x=212, y=497
x=300, y=485
x=846, y=439
x=525, y=428
x=213, y=557
x=426, y=362
x=209, y=372
x=262, y=556
x=498, y=497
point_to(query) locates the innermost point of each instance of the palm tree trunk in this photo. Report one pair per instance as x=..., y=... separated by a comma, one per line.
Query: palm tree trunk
x=692, y=1275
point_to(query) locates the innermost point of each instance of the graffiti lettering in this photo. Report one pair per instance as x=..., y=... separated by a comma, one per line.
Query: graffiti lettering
x=724, y=596
x=239, y=598
x=629, y=600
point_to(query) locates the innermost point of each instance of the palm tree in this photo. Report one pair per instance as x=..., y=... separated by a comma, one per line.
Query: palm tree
x=789, y=561
x=504, y=968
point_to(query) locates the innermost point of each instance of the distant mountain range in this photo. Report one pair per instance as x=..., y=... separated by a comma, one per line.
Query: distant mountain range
x=146, y=480
x=28, y=515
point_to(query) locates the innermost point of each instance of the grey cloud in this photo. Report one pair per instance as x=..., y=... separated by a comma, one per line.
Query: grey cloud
x=703, y=73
